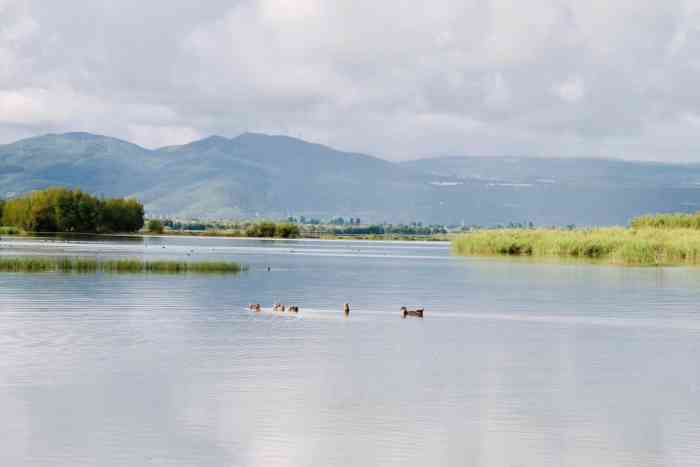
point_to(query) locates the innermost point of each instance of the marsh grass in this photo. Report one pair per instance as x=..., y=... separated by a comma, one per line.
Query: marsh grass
x=9, y=230
x=91, y=265
x=667, y=221
x=637, y=247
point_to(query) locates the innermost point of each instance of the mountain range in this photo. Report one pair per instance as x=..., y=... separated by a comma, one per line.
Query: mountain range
x=256, y=175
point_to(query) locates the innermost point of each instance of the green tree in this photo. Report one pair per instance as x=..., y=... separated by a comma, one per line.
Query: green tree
x=121, y=215
x=287, y=231
x=42, y=213
x=155, y=226
x=262, y=230
x=64, y=210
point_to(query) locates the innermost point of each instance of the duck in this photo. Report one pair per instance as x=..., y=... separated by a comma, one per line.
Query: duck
x=418, y=313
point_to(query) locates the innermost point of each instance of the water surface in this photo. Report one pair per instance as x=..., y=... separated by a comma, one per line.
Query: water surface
x=516, y=364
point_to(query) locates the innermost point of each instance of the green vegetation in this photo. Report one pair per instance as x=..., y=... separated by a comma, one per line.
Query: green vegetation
x=388, y=237
x=416, y=229
x=155, y=226
x=64, y=210
x=637, y=246
x=207, y=233
x=87, y=265
x=668, y=221
x=10, y=231
x=272, y=230
x=307, y=228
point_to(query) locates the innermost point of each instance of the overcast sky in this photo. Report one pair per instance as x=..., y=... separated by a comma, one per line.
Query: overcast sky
x=398, y=79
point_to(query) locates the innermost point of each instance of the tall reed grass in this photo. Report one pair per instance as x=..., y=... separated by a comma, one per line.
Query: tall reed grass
x=9, y=230
x=89, y=265
x=643, y=246
x=667, y=221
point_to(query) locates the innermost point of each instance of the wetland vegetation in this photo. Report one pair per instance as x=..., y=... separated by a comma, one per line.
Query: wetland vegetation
x=663, y=240
x=92, y=265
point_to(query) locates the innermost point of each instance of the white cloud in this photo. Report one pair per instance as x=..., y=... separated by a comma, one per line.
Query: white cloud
x=163, y=135
x=397, y=78
x=571, y=90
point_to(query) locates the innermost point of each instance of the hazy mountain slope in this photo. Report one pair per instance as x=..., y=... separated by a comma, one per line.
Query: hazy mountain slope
x=275, y=176
x=564, y=191
x=95, y=163
x=570, y=172
x=278, y=175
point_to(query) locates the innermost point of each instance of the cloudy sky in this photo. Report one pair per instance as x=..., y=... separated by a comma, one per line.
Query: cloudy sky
x=399, y=79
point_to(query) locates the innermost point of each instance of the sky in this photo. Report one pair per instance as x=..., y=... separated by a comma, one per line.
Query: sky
x=397, y=79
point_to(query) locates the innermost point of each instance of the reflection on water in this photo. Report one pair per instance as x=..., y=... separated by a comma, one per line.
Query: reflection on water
x=514, y=365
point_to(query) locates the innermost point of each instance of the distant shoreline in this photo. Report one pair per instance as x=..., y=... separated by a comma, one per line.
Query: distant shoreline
x=224, y=235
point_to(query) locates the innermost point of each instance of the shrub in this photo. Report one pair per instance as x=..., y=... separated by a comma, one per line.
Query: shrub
x=155, y=226
x=287, y=231
x=262, y=230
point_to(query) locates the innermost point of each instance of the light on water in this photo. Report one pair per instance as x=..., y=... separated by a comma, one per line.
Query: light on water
x=514, y=364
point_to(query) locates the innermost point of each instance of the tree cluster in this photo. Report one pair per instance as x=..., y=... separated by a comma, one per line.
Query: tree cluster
x=156, y=226
x=65, y=210
x=378, y=229
x=270, y=229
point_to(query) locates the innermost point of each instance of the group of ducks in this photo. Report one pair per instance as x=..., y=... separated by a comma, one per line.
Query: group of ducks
x=276, y=307
x=418, y=313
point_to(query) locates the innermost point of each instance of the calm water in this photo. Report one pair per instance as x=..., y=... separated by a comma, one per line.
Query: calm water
x=515, y=364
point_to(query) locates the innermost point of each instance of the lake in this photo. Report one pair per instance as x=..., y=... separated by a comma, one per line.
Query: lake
x=515, y=364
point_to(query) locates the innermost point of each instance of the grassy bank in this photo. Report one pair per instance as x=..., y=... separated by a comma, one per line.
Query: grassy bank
x=639, y=246
x=11, y=231
x=90, y=265
x=667, y=221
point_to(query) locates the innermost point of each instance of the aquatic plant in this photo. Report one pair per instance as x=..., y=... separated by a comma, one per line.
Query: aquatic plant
x=639, y=246
x=86, y=265
x=667, y=221
x=9, y=230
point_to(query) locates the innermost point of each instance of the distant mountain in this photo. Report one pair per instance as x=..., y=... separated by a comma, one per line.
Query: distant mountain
x=97, y=164
x=558, y=191
x=275, y=176
x=247, y=176
x=256, y=174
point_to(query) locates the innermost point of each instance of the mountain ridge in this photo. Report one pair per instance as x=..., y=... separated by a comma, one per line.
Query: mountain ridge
x=257, y=175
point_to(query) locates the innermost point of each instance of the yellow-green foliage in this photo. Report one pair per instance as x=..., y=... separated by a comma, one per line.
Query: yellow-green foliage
x=10, y=231
x=270, y=230
x=84, y=265
x=644, y=246
x=155, y=226
x=667, y=221
x=64, y=210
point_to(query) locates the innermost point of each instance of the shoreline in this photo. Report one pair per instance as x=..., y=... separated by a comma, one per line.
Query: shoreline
x=225, y=237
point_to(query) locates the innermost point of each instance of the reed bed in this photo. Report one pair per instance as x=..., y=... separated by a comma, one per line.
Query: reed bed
x=636, y=247
x=667, y=221
x=91, y=265
x=9, y=230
